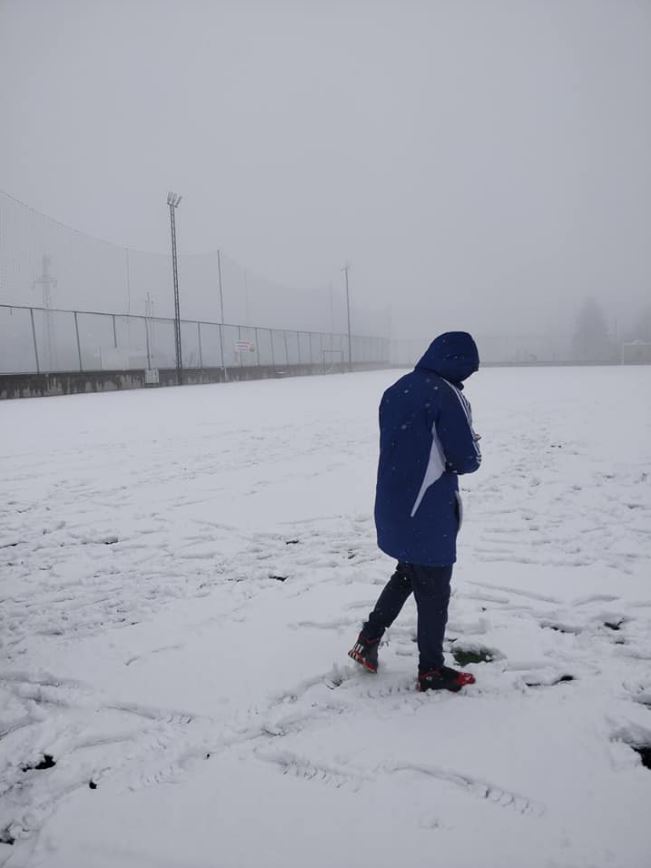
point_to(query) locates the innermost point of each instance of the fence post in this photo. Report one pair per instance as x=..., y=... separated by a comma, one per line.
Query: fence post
x=115, y=333
x=221, y=349
x=271, y=341
x=286, y=349
x=200, y=350
x=147, y=343
x=81, y=367
x=257, y=346
x=31, y=316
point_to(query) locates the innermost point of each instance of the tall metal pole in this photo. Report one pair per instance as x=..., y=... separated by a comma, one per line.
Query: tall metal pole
x=221, y=288
x=246, y=298
x=174, y=201
x=332, y=311
x=350, y=345
x=221, y=312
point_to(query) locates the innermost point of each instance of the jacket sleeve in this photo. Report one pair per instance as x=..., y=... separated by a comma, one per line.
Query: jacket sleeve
x=455, y=432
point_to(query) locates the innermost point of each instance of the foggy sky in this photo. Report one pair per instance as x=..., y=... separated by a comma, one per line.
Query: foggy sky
x=482, y=165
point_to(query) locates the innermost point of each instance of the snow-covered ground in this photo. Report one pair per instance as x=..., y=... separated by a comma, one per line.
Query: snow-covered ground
x=184, y=570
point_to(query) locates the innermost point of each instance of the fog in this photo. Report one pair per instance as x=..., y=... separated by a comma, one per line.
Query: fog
x=480, y=165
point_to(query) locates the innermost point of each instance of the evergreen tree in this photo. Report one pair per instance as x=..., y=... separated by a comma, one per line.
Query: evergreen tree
x=642, y=329
x=591, y=342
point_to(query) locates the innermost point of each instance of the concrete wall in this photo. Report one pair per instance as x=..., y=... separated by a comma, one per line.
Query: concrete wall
x=72, y=383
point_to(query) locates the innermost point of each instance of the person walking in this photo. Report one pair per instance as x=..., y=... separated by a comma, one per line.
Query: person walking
x=426, y=442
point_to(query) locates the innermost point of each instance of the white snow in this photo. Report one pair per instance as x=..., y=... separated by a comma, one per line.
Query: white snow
x=149, y=650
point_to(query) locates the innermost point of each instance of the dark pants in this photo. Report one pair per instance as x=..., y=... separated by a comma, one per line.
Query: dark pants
x=431, y=588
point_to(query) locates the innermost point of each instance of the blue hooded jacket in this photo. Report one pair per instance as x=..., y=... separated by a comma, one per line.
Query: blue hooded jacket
x=426, y=441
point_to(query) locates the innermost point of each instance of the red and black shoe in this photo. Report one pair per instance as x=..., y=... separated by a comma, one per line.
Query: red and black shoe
x=444, y=679
x=364, y=652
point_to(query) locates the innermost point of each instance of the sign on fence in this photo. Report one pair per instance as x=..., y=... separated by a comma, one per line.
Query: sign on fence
x=244, y=347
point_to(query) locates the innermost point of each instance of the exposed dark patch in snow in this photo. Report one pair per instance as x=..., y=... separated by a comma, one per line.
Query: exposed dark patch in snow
x=560, y=627
x=644, y=752
x=463, y=655
x=47, y=762
x=614, y=625
x=561, y=680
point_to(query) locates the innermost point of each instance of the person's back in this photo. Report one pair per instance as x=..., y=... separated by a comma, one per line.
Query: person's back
x=426, y=441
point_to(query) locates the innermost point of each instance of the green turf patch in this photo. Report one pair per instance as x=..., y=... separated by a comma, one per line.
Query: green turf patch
x=464, y=656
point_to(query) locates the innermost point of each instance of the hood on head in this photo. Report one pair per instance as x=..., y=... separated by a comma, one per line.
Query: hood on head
x=452, y=355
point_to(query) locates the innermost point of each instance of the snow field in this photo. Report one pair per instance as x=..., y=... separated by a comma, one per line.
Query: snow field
x=184, y=570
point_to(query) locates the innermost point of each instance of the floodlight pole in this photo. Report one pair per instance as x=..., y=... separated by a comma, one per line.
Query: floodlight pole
x=221, y=313
x=345, y=269
x=221, y=288
x=174, y=201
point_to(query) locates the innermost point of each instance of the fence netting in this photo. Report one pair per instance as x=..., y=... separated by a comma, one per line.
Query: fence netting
x=69, y=302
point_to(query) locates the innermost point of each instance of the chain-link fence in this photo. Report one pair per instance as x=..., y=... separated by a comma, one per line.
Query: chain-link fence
x=40, y=340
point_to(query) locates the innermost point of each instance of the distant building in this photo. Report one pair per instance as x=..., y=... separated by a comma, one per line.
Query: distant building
x=636, y=353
